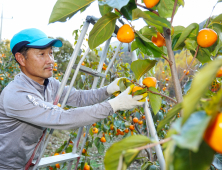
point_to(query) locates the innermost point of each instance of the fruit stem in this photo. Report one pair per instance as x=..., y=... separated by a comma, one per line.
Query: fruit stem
x=195, y=55
x=154, y=144
x=173, y=13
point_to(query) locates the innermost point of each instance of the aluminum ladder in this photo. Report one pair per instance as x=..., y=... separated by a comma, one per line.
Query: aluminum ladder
x=70, y=157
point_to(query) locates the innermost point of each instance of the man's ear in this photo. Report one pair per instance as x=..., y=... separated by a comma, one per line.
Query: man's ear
x=20, y=58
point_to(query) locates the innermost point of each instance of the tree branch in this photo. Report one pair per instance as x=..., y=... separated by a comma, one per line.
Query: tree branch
x=176, y=82
x=173, y=13
x=154, y=144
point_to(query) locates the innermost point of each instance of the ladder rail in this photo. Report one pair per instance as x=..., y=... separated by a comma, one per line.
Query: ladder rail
x=102, y=59
x=74, y=78
x=64, y=81
x=111, y=62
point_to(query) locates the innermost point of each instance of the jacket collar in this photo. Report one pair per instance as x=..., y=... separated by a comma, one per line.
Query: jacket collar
x=36, y=85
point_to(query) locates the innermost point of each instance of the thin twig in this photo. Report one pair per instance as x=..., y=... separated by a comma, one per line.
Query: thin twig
x=195, y=55
x=151, y=10
x=124, y=16
x=154, y=144
x=163, y=96
x=170, y=63
x=121, y=117
x=210, y=15
x=173, y=13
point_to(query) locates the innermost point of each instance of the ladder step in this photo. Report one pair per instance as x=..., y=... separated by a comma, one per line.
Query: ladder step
x=89, y=71
x=52, y=160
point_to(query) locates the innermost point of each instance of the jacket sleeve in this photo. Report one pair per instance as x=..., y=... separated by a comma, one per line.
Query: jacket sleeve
x=33, y=109
x=80, y=98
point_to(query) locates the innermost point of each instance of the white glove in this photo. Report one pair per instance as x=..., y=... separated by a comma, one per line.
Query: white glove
x=113, y=87
x=125, y=101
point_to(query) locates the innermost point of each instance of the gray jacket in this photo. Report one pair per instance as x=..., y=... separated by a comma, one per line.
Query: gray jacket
x=26, y=109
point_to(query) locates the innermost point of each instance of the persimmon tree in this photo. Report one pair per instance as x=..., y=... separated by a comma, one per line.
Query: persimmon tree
x=195, y=104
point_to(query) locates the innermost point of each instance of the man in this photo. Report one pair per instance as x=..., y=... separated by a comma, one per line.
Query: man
x=26, y=107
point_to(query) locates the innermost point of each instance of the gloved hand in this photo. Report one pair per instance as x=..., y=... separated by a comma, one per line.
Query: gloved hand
x=113, y=87
x=125, y=101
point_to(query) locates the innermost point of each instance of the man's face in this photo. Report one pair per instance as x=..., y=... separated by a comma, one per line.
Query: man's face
x=38, y=64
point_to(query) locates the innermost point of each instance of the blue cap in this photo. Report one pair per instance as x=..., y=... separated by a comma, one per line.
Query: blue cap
x=33, y=38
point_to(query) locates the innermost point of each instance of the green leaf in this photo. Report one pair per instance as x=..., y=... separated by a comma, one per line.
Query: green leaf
x=134, y=46
x=190, y=44
x=177, y=30
x=173, y=112
x=200, y=83
x=187, y=86
x=102, y=30
x=185, y=159
x=111, y=161
x=148, y=32
x=104, y=9
x=155, y=100
x=191, y=134
x=122, y=85
x=130, y=155
x=214, y=104
x=149, y=48
x=203, y=55
x=140, y=67
x=218, y=29
x=186, y=32
x=139, y=92
x=101, y=148
x=151, y=17
x=216, y=20
x=181, y=2
x=165, y=8
x=127, y=10
x=143, y=38
x=64, y=9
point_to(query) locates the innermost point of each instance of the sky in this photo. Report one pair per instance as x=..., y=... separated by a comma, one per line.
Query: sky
x=22, y=14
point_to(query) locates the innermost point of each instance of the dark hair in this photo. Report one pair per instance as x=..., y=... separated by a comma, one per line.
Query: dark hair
x=23, y=51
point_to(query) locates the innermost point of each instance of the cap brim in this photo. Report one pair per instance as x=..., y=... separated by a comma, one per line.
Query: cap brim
x=44, y=43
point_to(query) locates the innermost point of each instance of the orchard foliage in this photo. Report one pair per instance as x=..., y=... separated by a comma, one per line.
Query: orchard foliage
x=196, y=102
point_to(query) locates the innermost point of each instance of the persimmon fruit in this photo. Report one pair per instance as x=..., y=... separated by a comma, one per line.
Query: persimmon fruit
x=135, y=120
x=103, y=139
x=206, y=37
x=150, y=3
x=95, y=130
x=125, y=34
x=159, y=41
x=219, y=73
x=212, y=134
x=150, y=81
